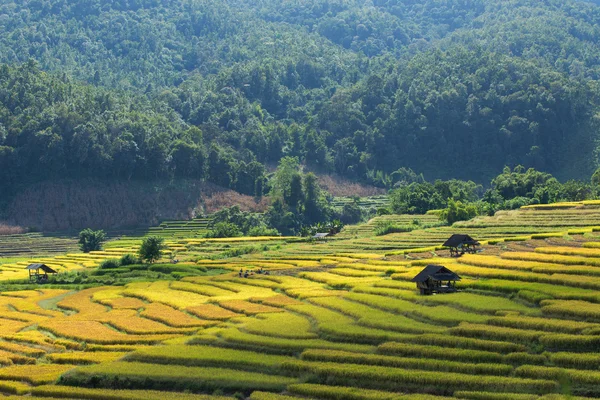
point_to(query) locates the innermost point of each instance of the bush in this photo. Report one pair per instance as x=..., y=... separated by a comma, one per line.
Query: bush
x=224, y=230
x=129, y=259
x=383, y=211
x=263, y=230
x=110, y=264
x=458, y=211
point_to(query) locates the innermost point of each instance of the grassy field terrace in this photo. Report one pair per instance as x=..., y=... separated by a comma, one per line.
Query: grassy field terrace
x=371, y=202
x=193, y=228
x=334, y=319
x=35, y=244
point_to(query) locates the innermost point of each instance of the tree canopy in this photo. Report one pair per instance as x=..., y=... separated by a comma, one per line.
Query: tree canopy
x=222, y=90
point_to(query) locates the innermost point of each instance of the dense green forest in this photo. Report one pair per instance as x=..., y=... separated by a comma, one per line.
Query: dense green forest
x=156, y=89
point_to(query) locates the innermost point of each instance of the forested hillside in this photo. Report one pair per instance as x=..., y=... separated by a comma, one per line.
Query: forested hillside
x=142, y=90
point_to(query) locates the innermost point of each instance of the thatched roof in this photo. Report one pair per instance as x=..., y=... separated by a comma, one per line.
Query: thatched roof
x=457, y=240
x=43, y=267
x=436, y=272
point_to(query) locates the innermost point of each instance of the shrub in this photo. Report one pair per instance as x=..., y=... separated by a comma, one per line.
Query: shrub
x=224, y=230
x=263, y=231
x=458, y=211
x=110, y=264
x=129, y=259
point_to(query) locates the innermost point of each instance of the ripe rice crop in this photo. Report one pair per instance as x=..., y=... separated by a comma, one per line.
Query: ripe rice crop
x=453, y=354
x=555, y=291
x=161, y=292
x=19, y=348
x=481, y=331
x=171, y=317
x=114, y=347
x=343, y=357
x=501, y=263
x=574, y=375
x=399, y=379
x=571, y=308
x=285, y=325
x=245, y=307
x=34, y=374
x=375, y=268
x=206, y=290
x=525, y=358
x=82, y=303
x=203, y=356
x=353, y=272
x=560, y=279
x=176, y=377
x=15, y=358
x=280, y=345
x=350, y=393
x=84, y=358
x=277, y=301
x=360, y=256
x=467, y=343
x=565, y=342
x=461, y=394
x=551, y=258
x=257, y=395
x=542, y=324
x=548, y=235
x=128, y=303
x=14, y=387
x=395, y=285
x=211, y=311
x=95, y=332
x=308, y=292
x=375, y=318
x=128, y=321
x=575, y=360
x=440, y=314
x=480, y=303
x=56, y=391
x=570, y=251
x=335, y=280
x=338, y=327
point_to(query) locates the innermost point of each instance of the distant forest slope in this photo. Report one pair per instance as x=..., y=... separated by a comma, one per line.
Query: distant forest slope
x=198, y=89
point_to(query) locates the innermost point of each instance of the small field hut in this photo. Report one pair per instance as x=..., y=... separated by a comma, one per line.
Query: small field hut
x=461, y=244
x=436, y=279
x=39, y=272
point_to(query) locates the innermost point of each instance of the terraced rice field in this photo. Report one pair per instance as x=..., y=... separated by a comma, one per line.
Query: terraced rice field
x=342, y=321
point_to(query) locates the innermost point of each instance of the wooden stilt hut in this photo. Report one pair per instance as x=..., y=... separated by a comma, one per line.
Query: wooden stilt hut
x=436, y=279
x=461, y=244
x=39, y=277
